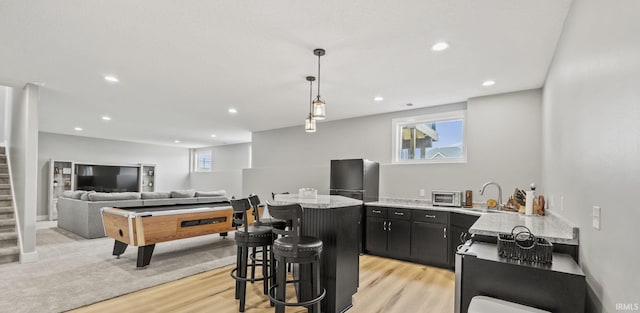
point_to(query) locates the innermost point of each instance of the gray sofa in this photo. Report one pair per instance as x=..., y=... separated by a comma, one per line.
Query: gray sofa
x=79, y=211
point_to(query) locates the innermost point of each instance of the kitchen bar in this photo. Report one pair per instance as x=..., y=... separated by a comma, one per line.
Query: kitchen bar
x=334, y=220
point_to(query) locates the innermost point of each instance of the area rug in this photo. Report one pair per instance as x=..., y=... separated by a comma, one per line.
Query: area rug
x=73, y=272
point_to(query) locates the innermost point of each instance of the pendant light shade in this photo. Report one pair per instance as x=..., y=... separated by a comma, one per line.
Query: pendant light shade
x=318, y=109
x=318, y=104
x=310, y=122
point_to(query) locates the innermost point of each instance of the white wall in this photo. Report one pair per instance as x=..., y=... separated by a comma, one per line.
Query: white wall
x=591, y=150
x=503, y=136
x=3, y=95
x=22, y=144
x=172, y=164
x=226, y=172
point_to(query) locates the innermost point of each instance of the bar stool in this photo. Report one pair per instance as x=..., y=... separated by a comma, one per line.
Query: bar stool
x=262, y=221
x=294, y=248
x=248, y=236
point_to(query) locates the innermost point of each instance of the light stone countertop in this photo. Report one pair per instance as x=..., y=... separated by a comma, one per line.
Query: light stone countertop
x=419, y=204
x=492, y=223
x=321, y=202
x=549, y=226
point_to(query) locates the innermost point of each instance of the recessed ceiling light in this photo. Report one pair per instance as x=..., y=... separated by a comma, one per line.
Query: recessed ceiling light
x=176, y=141
x=213, y=136
x=440, y=46
x=409, y=104
x=111, y=79
x=233, y=111
x=106, y=118
x=488, y=83
x=378, y=98
x=78, y=129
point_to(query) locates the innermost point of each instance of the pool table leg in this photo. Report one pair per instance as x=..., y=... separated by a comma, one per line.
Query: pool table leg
x=144, y=255
x=118, y=248
x=224, y=235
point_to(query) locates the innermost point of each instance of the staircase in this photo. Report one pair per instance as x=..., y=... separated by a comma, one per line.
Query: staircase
x=9, y=250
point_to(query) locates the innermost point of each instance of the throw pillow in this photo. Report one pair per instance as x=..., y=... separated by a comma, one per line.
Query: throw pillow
x=183, y=193
x=85, y=196
x=155, y=195
x=214, y=193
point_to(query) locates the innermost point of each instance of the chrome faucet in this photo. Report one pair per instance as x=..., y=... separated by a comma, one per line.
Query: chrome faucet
x=499, y=192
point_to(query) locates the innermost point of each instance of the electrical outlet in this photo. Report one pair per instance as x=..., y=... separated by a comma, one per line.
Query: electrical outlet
x=596, y=217
x=421, y=192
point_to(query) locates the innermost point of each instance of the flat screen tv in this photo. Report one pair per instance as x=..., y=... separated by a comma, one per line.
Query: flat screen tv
x=107, y=178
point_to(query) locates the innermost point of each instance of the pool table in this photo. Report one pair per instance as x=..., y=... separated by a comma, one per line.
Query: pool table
x=143, y=227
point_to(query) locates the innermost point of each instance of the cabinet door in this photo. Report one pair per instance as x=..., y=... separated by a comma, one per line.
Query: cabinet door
x=376, y=235
x=399, y=238
x=430, y=243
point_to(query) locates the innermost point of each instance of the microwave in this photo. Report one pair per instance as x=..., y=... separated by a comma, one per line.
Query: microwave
x=446, y=198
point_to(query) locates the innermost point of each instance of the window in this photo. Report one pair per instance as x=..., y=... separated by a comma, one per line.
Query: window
x=202, y=160
x=433, y=138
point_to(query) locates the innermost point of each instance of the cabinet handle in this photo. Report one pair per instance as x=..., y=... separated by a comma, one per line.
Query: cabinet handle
x=384, y=225
x=398, y=213
x=389, y=225
x=376, y=211
x=430, y=216
x=444, y=232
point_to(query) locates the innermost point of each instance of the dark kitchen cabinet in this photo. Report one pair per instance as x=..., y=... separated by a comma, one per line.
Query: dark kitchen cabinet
x=376, y=235
x=429, y=243
x=388, y=232
x=398, y=239
x=430, y=237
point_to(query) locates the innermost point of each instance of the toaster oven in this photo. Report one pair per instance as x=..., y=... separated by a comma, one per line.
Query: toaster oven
x=446, y=198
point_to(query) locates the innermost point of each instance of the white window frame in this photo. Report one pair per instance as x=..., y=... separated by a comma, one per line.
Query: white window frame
x=196, y=165
x=398, y=123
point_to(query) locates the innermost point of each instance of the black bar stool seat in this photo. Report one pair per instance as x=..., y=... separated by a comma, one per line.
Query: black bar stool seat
x=307, y=247
x=255, y=236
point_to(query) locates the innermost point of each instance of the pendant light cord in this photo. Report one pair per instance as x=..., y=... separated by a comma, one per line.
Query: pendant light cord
x=318, y=76
x=310, y=97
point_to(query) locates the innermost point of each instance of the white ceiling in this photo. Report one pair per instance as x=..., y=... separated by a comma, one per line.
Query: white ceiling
x=182, y=64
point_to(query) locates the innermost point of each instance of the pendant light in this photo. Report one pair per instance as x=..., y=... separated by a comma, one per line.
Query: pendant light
x=310, y=122
x=318, y=103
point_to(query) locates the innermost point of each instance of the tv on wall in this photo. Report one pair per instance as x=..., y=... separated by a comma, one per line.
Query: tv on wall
x=107, y=178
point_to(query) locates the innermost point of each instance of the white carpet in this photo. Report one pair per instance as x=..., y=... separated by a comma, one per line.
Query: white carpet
x=73, y=272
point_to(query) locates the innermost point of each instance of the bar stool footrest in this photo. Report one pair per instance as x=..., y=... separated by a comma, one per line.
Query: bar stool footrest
x=305, y=303
x=236, y=277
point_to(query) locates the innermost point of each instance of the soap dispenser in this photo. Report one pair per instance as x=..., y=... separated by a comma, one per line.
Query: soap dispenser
x=529, y=198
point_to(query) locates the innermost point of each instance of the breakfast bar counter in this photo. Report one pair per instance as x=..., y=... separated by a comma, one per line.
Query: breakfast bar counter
x=334, y=220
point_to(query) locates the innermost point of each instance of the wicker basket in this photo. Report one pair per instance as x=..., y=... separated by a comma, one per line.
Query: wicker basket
x=524, y=246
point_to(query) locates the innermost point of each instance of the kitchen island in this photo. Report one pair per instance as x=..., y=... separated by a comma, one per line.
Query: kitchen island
x=334, y=220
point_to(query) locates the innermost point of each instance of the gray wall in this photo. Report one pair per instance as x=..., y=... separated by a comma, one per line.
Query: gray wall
x=172, y=164
x=22, y=143
x=226, y=172
x=3, y=94
x=591, y=150
x=503, y=142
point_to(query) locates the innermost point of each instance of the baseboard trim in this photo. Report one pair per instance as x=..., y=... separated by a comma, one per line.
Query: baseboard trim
x=29, y=257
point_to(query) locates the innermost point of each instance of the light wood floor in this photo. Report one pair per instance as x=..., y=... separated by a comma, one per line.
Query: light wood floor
x=386, y=285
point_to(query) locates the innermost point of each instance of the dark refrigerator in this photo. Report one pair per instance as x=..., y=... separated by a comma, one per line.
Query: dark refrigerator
x=358, y=179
